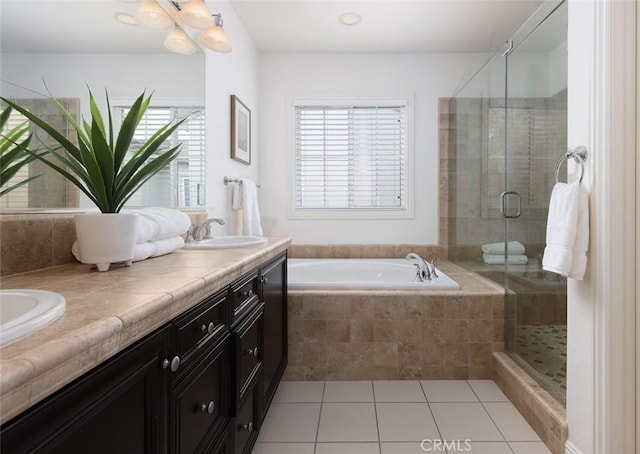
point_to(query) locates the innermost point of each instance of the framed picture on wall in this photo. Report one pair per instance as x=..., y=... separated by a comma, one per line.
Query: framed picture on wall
x=240, y=131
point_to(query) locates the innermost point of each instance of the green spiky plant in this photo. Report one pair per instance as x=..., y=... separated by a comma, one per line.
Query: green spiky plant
x=97, y=165
x=13, y=154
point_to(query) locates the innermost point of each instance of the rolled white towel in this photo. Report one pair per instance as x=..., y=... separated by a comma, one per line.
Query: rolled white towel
x=494, y=259
x=513, y=248
x=169, y=223
x=147, y=249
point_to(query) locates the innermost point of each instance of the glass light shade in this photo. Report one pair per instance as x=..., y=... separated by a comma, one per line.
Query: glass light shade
x=215, y=38
x=196, y=14
x=177, y=41
x=151, y=15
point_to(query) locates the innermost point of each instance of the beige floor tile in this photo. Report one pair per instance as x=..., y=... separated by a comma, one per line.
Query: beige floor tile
x=529, y=447
x=347, y=448
x=290, y=423
x=348, y=391
x=283, y=448
x=510, y=422
x=488, y=391
x=405, y=422
x=348, y=422
x=398, y=391
x=462, y=421
x=299, y=391
x=448, y=391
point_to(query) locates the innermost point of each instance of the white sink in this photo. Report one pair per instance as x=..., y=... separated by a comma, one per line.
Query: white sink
x=23, y=312
x=225, y=242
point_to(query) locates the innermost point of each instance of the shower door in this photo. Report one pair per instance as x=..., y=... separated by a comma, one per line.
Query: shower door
x=534, y=121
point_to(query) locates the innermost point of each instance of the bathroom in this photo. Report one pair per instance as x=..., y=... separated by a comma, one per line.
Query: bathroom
x=269, y=80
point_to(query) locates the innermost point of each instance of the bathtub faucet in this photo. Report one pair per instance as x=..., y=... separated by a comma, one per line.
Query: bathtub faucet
x=423, y=273
x=195, y=231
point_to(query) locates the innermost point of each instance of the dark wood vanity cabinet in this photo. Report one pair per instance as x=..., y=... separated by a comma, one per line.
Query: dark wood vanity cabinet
x=118, y=407
x=273, y=293
x=200, y=384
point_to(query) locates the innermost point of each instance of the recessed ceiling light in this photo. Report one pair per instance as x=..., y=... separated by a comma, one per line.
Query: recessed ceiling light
x=125, y=18
x=350, y=18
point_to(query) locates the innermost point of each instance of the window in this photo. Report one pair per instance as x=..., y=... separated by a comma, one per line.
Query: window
x=185, y=176
x=351, y=159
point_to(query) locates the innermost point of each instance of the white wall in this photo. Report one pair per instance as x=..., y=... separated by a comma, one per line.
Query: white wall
x=229, y=74
x=426, y=76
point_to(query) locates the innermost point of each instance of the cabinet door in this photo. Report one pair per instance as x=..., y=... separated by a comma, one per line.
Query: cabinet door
x=274, y=295
x=119, y=407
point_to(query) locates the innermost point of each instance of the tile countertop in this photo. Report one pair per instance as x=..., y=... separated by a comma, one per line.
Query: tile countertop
x=107, y=312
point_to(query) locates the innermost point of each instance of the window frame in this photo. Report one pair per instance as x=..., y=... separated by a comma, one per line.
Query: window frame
x=294, y=101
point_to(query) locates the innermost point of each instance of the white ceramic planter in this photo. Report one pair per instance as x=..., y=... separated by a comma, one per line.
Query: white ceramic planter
x=106, y=238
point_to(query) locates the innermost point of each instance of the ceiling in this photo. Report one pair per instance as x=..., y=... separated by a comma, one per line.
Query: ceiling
x=275, y=26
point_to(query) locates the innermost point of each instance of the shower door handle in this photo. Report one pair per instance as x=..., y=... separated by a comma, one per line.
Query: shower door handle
x=504, y=204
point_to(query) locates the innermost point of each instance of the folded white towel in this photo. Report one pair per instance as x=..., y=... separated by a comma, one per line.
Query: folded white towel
x=147, y=249
x=169, y=222
x=251, y=212
x=493, y=259
x=581, y=244
x=513, y=248
x=561, y=228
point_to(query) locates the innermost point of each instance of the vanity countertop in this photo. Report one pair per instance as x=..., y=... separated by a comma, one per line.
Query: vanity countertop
x=107, y=312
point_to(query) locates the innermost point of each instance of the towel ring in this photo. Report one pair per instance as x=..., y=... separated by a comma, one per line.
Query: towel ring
x=579, y=155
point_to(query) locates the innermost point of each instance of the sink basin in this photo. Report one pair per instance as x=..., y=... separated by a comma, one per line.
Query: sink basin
x=225, y=242
x=23, y=312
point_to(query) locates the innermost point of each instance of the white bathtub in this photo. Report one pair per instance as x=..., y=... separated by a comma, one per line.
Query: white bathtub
x=360, y=274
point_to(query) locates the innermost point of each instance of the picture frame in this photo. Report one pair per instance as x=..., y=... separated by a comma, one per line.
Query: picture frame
x=240, y=131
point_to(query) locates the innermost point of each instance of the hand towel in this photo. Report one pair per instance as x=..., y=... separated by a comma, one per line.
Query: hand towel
x=513, y=248
x=561, y=228
x=581, y=244
x=251, y=212
x=496, y=259
x=147, y=249
x=237, y=205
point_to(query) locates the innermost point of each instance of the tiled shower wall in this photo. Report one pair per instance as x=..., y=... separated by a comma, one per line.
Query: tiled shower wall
x=476, y=168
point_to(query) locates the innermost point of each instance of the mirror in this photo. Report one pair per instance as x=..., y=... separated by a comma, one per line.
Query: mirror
x=62, y=47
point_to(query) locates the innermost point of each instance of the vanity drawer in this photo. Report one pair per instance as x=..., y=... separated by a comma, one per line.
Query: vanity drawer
x=244, y=295
x=203, y=323
x=247, y=338
x=201, y=403
x=246, y=425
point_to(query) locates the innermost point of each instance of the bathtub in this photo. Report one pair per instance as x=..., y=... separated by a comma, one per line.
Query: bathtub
x=371, y=274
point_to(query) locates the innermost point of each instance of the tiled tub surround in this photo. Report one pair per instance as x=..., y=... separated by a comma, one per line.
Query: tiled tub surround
x=107, y=312
x=385, y=335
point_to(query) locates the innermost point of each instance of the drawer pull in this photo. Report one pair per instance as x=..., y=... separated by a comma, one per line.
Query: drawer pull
x=208, y=408
x=248, y=427
x=210, y=328
x=247, y=294
x=174, y=363
x=264, y=280
x=252, y=351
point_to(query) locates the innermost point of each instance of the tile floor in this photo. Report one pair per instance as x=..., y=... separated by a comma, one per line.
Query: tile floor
x=395, y=417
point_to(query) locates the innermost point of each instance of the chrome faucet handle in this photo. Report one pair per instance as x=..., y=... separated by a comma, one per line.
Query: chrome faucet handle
x=432, y=267
x=190, y=238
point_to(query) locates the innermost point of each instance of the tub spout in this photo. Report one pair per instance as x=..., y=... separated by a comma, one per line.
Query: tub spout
x=423, y=273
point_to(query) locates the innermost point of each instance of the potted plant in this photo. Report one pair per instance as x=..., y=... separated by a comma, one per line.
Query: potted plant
x=103, y=166
x=13, y=154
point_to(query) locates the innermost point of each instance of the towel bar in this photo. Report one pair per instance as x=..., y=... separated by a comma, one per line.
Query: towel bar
x=228, y=180
x=579, y=155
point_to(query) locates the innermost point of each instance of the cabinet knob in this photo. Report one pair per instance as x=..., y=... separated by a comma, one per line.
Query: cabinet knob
x=210, y=328
x=248, y=427
x=174, y=363
x=264, y=280
x=252, y=351
x=247, y=294
x=208, y=408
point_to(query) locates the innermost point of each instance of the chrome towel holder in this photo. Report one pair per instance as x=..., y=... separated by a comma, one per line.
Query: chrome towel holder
x=228, y=180
x=579, y=154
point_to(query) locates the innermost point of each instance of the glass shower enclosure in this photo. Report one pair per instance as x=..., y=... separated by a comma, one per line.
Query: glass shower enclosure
x=507, y=132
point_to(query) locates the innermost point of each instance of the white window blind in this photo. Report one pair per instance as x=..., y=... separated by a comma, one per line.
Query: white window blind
x=350, y=158
x=181, y=184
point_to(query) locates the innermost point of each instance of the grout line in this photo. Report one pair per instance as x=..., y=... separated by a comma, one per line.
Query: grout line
x=375, y=410
x=430, y=409
x=315, y=444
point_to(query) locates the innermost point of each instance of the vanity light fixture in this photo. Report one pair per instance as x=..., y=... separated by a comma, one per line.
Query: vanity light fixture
x=196, y=14
x=125, y=18
x=151, y=15
x=177, y=41
x=215, y=38
x=350, y=18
